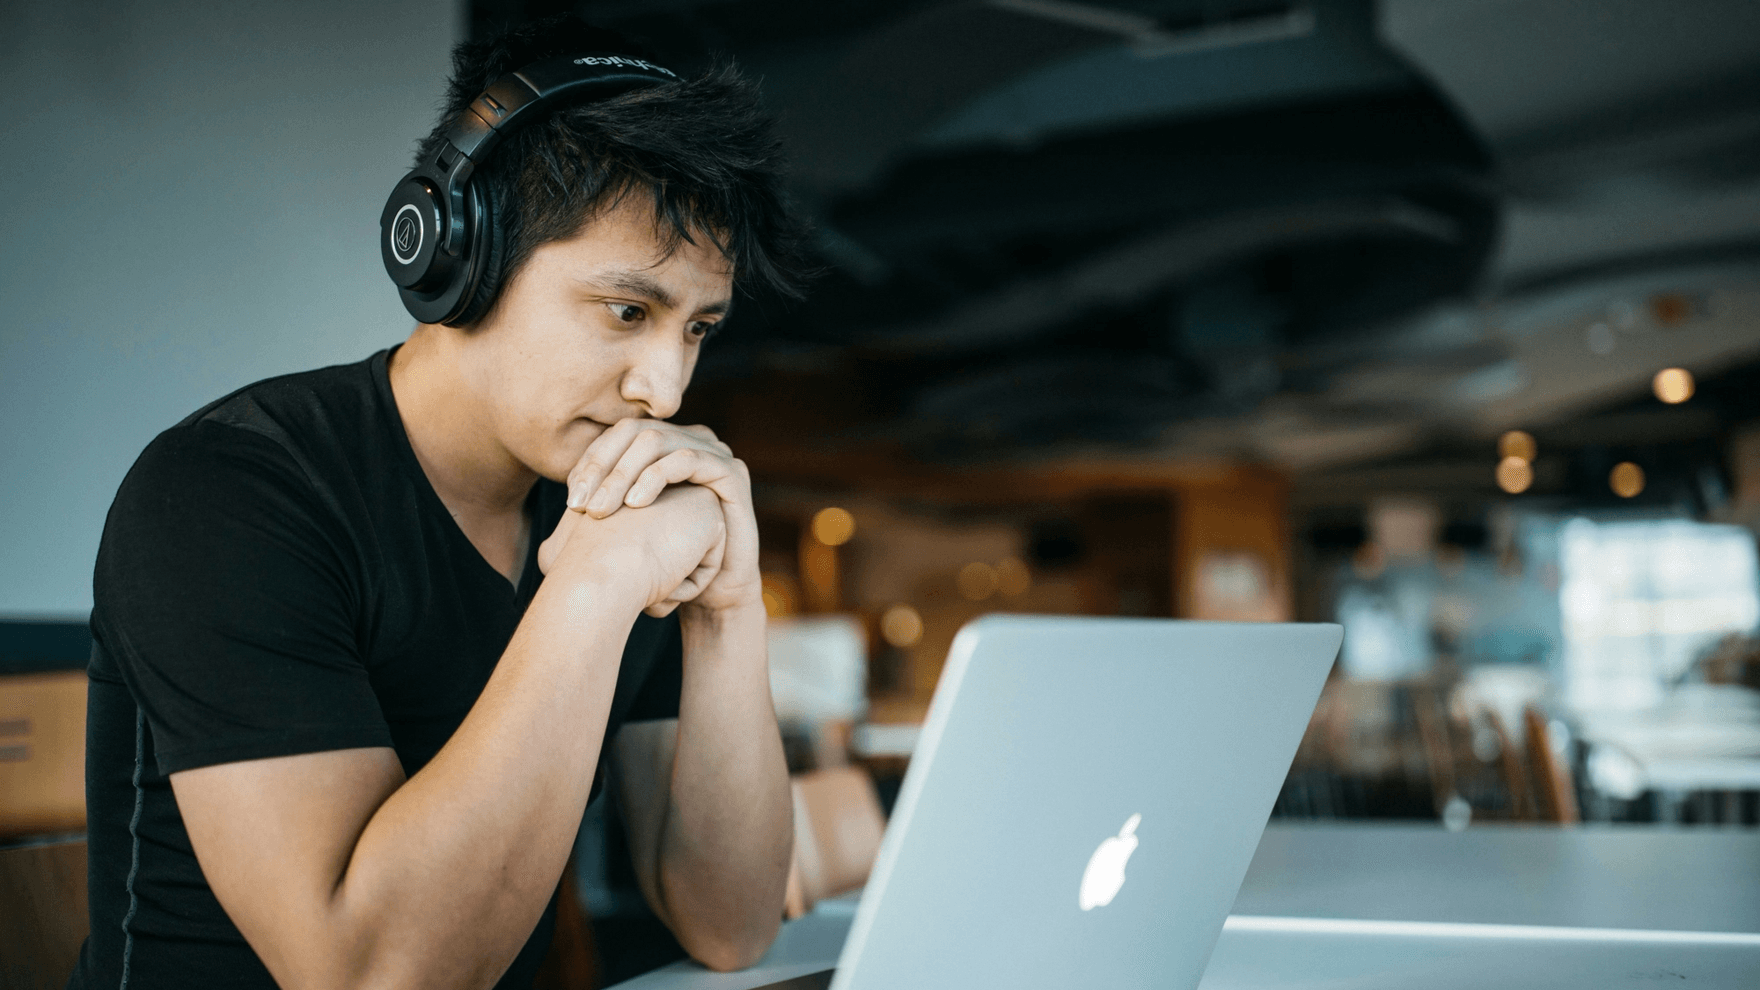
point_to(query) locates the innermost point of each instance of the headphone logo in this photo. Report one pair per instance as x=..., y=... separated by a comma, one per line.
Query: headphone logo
x=636, y=63
x=406, y=234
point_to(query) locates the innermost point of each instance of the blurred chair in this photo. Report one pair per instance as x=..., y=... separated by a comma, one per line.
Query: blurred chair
x=1516, y=779
x=1439, y=752
x=42, y=798
x=1554, y=786
x=42, y=754
x=42, y=913
x=837, y=830
x=573, y=960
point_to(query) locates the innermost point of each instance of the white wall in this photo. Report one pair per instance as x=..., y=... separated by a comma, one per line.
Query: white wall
x=189, y=202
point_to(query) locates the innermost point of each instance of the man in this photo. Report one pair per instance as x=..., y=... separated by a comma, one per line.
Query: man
x=365, y=636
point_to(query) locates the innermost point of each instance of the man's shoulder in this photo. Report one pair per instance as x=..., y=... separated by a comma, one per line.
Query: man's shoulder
x=331, y=399
x=300, y=427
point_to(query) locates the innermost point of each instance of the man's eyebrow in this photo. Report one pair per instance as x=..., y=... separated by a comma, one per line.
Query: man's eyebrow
x=644, y=286
x=631, y=283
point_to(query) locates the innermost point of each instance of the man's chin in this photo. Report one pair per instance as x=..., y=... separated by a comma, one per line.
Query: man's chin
x=572, y=447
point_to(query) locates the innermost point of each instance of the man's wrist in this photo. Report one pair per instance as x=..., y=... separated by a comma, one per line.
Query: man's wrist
x=602, y=582
x=701, y=622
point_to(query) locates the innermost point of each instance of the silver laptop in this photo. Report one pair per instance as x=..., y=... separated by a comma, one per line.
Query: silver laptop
x=1082, y=803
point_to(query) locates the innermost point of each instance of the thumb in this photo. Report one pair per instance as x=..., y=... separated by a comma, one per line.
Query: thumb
x=551, y=548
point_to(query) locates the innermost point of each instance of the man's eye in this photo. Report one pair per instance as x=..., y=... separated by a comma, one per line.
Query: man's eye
x=704, y=329
x=626, y=313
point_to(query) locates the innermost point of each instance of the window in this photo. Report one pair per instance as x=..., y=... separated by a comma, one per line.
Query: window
x=1640, y=600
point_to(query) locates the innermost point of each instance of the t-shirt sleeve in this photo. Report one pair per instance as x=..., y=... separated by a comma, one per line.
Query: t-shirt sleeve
x=222, y=591
x=657, y=698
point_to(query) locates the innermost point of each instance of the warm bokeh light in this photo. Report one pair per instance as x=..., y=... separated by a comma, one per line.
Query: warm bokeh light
x=1517, y=443
x=901, y=626
x=1012, y=577
x=1673, y=385
x=779, y=595
x=833, y=527
x=977, y=581
x=1626, y=479
x=1514, y=474
x=821, y=584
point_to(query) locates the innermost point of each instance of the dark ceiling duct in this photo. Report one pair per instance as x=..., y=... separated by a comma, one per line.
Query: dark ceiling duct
x=1055, y=221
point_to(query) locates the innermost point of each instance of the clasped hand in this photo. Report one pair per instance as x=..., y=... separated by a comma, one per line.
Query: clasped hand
x=698, y=540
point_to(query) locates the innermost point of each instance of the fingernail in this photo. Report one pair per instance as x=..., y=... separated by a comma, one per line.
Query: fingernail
x=577, y=496
x=601, y=501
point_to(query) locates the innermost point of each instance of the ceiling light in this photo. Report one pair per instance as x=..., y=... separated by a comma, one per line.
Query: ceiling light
x=1514, y=475
x=1673, y=385
x=1626, y=479
x=833, y=527
x=901, y=626
x=1517, y=443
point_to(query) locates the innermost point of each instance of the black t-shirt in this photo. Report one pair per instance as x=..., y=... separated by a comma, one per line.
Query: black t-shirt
x=276, y=577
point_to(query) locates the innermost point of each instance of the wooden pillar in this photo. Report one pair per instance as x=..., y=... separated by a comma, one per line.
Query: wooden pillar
x=1232, y=547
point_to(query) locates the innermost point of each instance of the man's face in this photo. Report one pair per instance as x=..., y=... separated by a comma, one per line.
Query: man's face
x=592, y=330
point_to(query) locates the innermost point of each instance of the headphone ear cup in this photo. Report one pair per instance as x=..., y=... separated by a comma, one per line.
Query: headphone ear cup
x=486, y=258
x=409, y=236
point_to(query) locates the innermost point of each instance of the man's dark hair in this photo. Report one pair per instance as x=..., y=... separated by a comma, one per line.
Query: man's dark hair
x=703, y=148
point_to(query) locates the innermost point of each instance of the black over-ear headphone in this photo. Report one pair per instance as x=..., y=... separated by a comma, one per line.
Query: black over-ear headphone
x=439, y=235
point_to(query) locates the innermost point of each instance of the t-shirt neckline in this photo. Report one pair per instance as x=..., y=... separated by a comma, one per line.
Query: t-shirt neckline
x=380, y=369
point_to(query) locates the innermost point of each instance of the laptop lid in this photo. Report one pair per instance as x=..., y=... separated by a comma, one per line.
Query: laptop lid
x=1083, y=802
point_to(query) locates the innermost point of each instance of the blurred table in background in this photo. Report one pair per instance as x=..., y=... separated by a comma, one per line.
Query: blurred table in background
x=1378, y=906
x=1703, y=739
x=878, y=740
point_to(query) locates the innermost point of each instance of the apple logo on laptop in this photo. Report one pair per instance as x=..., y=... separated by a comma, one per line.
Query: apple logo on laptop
x=1105, y=872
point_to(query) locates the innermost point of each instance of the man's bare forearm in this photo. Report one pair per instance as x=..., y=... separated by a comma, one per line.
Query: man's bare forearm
x=452, y=872
x=728, y=831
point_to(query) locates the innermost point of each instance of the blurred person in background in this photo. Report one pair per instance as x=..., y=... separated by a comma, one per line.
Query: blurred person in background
x=368, y=638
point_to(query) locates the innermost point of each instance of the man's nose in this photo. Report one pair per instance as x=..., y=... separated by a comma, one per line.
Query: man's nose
x=657, y=377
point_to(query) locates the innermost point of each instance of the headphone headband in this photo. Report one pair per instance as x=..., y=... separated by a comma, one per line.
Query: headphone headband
x=433, y=227
x=541, y=86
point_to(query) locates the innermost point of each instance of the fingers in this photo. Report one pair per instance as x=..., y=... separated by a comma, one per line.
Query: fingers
x=705, y=572
x=614, y=463
x=705, y=434
x=600, y=457
x=611, y=464
x=552, y=546
x=693, y=585
x=676, y=467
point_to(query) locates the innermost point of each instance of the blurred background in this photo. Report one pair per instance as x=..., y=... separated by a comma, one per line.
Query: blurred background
x=1438, y=320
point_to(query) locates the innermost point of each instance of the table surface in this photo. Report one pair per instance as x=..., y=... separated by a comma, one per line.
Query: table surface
x=1697, y=884
x=1594, y=876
